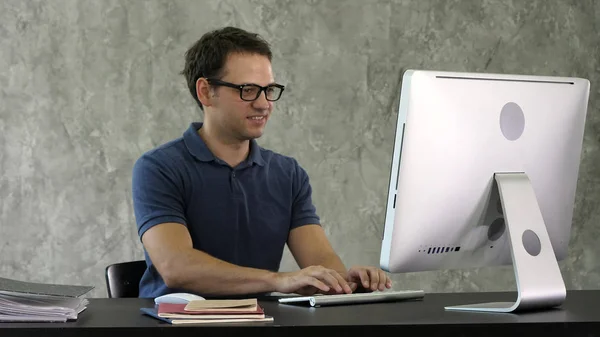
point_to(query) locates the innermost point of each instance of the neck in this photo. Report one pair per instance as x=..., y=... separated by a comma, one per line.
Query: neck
x=230, y=150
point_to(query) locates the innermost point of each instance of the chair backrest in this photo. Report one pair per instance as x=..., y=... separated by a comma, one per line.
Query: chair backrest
x=123, y=279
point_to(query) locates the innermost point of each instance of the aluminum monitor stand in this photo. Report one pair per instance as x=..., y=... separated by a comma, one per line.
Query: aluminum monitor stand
x=539, y=282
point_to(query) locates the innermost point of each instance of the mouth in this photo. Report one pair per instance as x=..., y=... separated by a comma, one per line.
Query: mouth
x=256, y=118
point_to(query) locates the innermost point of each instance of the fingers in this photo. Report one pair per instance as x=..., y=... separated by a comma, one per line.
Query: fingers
x=330, y=277
x=353, y=286
x=344, y=286
x=364, y=278
x=374, y=278
x=307, y=291
x=312, y=281
x=388, y=280
x=379, y=279
x=371, y=278
x=330, y=280
x=383, y=280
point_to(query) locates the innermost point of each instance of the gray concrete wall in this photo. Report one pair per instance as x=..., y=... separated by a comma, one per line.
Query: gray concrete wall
x=87, y=86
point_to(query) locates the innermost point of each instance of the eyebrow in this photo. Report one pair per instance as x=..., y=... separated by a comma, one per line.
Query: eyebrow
x=250, y=82
x=268, y=84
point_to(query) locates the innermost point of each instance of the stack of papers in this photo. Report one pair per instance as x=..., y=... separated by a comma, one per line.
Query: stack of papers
x=209, y=311
x=40, y=302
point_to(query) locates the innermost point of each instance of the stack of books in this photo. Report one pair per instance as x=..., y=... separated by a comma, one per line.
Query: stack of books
x=40, y=302
x=209, y=312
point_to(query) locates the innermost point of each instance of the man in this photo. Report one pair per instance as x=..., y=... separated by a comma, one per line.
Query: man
x=214, y=209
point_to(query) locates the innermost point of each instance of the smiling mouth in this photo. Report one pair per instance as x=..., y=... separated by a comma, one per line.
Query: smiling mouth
x=257, y=118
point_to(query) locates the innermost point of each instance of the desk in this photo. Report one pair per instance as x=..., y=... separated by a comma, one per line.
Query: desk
x=579, y=316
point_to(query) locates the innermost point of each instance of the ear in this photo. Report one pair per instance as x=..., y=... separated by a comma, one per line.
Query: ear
x=203, y=92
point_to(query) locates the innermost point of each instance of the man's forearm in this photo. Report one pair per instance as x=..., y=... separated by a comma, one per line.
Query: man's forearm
x=201, y=273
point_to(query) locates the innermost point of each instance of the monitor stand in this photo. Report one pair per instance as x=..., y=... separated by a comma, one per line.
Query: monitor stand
x=539, y=282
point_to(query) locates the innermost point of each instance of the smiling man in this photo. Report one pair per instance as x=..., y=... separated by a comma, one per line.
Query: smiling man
x=214, y=210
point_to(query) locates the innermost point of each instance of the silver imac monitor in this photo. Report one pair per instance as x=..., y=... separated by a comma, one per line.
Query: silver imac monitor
x=484, y=173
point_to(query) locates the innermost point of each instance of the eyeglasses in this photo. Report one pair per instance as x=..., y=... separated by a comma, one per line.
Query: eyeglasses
x=250, y=91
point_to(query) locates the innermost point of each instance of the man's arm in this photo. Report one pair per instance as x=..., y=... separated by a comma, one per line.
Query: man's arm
x=307, y=240
x=159, y=209
x=310, y=247
x=169, y=246
x=309, y=244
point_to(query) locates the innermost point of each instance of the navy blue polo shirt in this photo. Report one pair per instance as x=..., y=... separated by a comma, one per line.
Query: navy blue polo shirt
x=241, y=215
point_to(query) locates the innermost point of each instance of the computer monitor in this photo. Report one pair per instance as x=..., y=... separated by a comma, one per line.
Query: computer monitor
x=484, y=173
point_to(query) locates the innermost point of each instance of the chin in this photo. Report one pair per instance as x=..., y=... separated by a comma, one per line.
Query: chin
x=250, y=134
x=254, y=135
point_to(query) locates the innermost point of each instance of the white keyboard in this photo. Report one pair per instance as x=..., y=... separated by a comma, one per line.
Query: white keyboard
x=374, y=297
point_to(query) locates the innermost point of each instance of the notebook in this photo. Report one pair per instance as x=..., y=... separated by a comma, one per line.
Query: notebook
x=168, y=310
x=235, y=305
x=209, y=312
x=193, y=319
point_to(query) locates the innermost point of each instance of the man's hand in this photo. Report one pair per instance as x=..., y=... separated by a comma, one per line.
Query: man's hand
x=311, y=280
x=369, y=278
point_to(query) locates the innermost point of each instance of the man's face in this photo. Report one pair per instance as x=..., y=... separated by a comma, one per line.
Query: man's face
x=239, y=119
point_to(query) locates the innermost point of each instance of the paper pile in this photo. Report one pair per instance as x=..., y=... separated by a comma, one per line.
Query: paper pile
x=40, y=302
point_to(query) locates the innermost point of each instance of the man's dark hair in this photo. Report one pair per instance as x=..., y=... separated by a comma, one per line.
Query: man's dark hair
x=206, y=58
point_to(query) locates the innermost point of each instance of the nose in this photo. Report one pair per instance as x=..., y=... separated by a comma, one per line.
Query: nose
x=261, y=102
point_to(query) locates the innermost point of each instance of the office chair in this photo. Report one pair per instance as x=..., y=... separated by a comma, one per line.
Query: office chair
x=123, y=279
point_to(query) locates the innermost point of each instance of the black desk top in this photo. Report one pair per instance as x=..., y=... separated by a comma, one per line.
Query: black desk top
x=579, y=316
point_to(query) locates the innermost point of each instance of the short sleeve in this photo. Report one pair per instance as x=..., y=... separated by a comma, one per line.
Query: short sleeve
x=157, y=192
x=303, y=210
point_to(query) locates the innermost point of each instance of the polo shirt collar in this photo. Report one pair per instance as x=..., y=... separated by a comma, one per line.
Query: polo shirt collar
x=197, y=147
x=255, y=155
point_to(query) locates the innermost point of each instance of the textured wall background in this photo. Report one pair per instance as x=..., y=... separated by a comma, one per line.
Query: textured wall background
x=87, y=86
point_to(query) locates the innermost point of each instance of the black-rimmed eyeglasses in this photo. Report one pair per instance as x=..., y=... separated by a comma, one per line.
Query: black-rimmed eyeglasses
x=250, y=91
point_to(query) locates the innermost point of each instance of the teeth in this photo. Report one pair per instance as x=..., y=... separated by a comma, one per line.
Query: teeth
x=257, y=117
